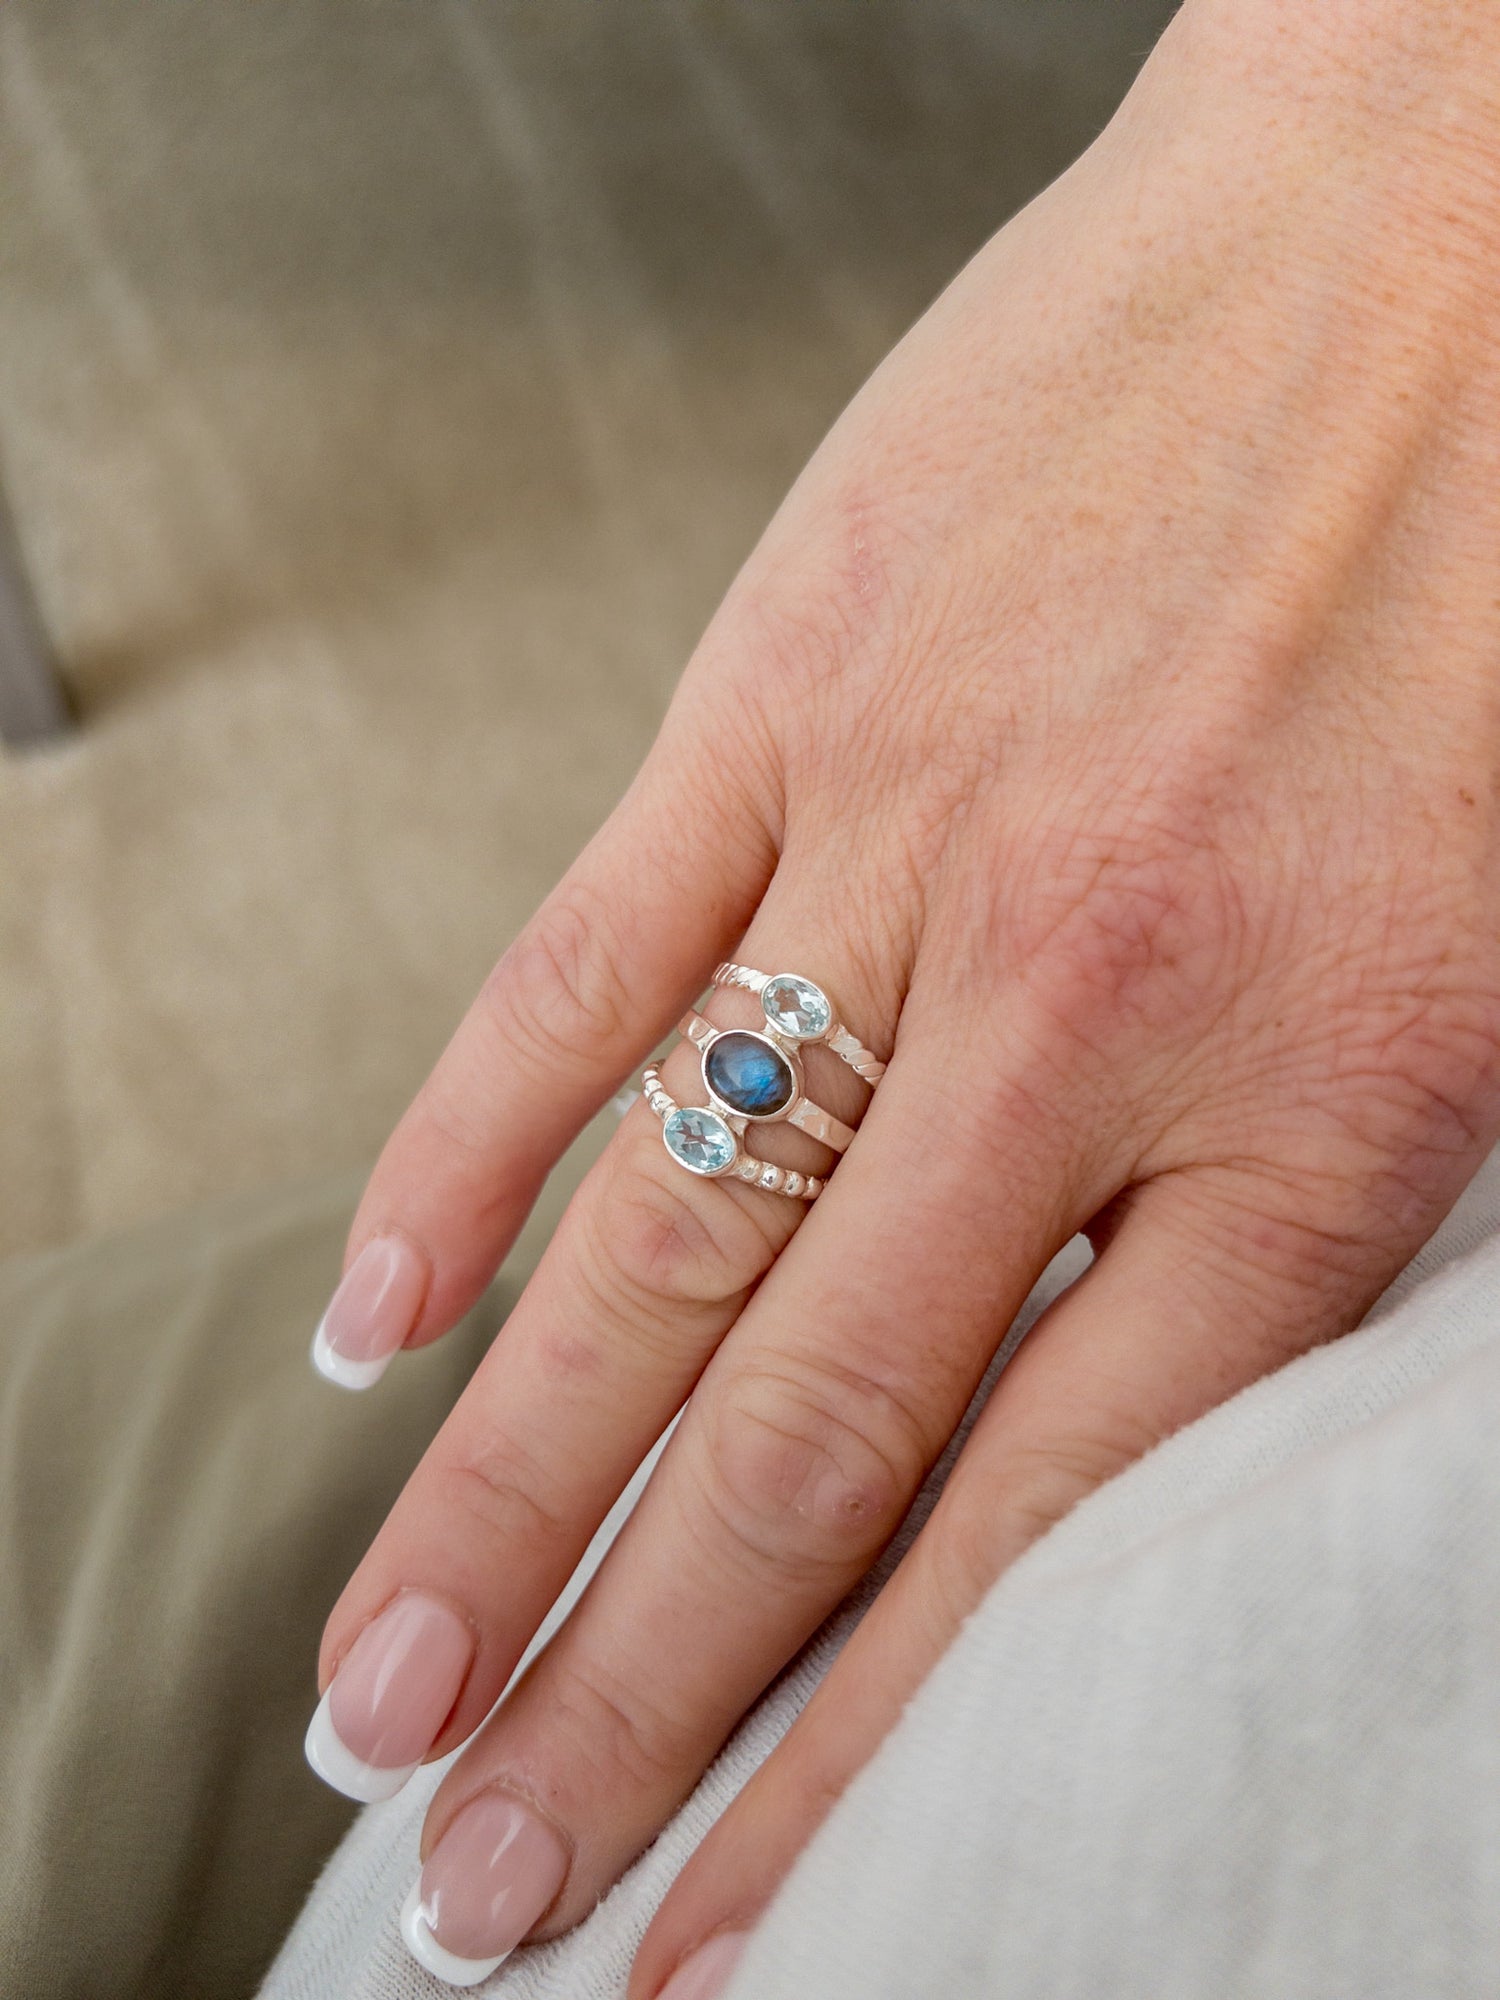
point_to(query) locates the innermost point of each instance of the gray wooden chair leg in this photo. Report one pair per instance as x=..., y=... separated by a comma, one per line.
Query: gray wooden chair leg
x=33, y=705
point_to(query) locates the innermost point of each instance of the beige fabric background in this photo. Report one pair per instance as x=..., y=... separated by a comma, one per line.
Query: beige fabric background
x=182, y=1504
x=181, y=1501
x=387, y=393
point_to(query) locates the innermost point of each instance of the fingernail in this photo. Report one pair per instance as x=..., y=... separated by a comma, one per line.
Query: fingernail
x=488, y=1880
x=371, y=1313
x=705, y=1972
x=394, y=1690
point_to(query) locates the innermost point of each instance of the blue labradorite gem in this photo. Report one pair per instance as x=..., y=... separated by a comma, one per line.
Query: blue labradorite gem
x=749, y=1074
x=699, y=1139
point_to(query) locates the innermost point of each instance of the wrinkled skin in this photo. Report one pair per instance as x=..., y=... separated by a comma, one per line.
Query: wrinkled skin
x=1110, y=719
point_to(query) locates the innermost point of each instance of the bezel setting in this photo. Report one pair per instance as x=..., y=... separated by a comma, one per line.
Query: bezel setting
x=785, y=1054
x=674, y=1126
x=813, y=998
x=745, y=1167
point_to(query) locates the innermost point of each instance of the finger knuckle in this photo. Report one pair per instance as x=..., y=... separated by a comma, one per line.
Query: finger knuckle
x=1128, y=915
x=814, y=1467
x=989, y=1517
x=962, y=1556
x=1328, y=1230
x=619, y=1730
x=556, y=995
x=1429, y=1078
x=1045, y=1479
x=658, y=1237
x=501, y=1492
x=1140, y=936
x=1386, y=1103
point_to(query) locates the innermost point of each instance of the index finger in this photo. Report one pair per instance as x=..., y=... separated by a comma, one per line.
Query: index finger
x=590, y=986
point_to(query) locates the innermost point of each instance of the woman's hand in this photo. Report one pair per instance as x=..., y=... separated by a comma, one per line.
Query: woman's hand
x=1115, y=705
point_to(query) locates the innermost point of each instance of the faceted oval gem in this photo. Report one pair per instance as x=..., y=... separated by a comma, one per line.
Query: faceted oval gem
x=796, y=1008
x=749, y=1073
x=699, y=1139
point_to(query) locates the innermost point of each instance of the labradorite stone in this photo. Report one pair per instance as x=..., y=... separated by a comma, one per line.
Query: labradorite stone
x=749, y=1074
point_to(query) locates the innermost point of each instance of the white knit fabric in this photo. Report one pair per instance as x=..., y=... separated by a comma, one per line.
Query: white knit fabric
x=1230, y=1732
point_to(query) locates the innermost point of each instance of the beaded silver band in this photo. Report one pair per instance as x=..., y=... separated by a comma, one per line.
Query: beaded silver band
x=834, y=1036
x=739, y=1166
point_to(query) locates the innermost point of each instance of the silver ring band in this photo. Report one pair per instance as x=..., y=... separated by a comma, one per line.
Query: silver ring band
x=797, y=1001
x=717, y=1151
x=801, y=1112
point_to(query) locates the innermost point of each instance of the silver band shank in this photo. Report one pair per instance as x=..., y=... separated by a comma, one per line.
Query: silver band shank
x=837, y=1037
x=804, y=1114
x=758, y=1173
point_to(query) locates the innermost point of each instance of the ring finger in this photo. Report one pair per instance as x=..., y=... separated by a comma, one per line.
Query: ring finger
x=798, y=1456
x=645, y=1275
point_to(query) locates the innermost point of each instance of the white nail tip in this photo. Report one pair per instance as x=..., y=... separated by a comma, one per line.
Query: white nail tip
x=336, y=1367
x=338, y=1766
x=416, y=1933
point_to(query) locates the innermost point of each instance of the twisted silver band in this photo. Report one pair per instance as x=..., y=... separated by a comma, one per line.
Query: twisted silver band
x=834, y=1035
x=739, y=1165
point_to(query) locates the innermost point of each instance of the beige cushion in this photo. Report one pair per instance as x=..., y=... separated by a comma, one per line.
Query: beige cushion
x=181, y=1500
x=387, y=394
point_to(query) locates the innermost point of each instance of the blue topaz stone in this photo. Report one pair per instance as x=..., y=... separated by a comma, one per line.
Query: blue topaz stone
x=749, y=1073
x=796, y=1008
x=699, y=1139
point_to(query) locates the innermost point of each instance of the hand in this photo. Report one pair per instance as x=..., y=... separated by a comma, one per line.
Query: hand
x=1110, y=721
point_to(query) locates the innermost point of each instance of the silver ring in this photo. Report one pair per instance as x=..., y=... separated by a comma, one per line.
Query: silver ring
x=798, y=1011
x=702, y=1141
x=754, y=1076
x=758, y=1078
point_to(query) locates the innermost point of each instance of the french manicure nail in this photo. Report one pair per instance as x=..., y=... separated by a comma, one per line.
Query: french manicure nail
x=371, y=1313
x=491, y=1876
x=394, y=1690
x=704, y=1974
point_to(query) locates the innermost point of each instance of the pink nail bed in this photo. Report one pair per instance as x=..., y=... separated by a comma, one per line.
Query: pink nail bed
x=495, y=1871
x=394, y=1690
x=705, y=1973
x=371, y=1313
